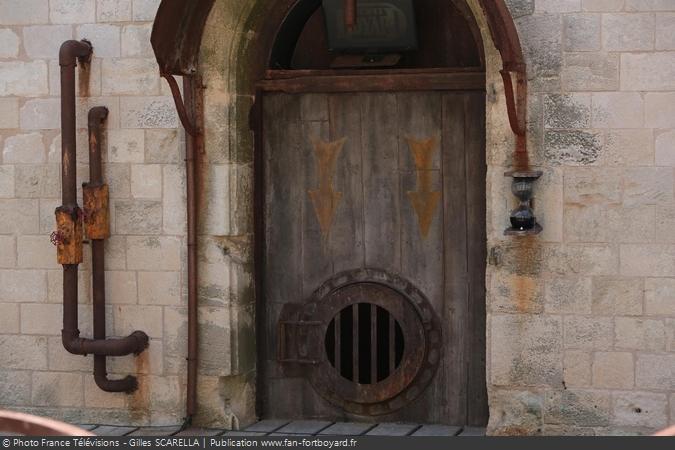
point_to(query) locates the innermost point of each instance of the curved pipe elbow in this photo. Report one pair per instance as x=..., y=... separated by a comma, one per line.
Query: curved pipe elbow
x=127, y=384
x=135, y=343
x=72, y=50
x=97, y=116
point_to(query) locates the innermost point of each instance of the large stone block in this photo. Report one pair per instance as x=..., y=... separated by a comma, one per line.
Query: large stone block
x=55, y=287
x=57, y=389
x=126, y=146
x=660, y=296
x=588, y=186
x=159, y=288
x=648, y=186
x=72, y=11
x=627, y=32
x=665, y=31
x=650, y=5
x=590, y=72
x=588, y=333
x=627, y=148
x=640, y=409
x=541, y=36
x=566, y=111
x=515, y=413
x=41, y=318
x=7, y=181
x=113, y=10
x=146, y=181
x=23, y=79
x=104, y=37
x=568, y=296
x=23, y=12
x=164, y=146
x=38, y=181
x=9, y=318
x=9, y=112
x=557, y=6
x=638, y=74
x=519, y=8
x=130, y=76
x=44, y=41
x=602, y=5
x=23, y=286
x=655, y=372
x=665, y=148
x=136, y=41
x=648, y=260
x=174, y=200
x=572, y=147
x=145, y=10
x=94, y=397
x=121, y=287
x=175, y=337
x=617, y=296
x=19, y=216
x=9, y=43
x=578, y=407
x=138, y=217
x=148, y=112
x=150, y=362
x=41, y=114
x=129, y=318
x=24, y=149
x=660, y=110
x=537, y=360
x=118, y=178
x=153, y=253
x=14, y=390
x=228, y=185
x=7, y=252
x=617, y=110
x=62, y=361
x=511, y=293
x=582, y=32
x=577, y=368
x=36, y=252
x=613, y=370
x=639, y=334
x=23, y=352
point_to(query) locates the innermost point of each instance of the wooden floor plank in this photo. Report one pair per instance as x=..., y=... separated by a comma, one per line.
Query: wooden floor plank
x=437, y=430
x=393, y=429
x=199, y=432
x=105, y=430
x=244, y=433
x=266, y=426
x=156, y=431
x=304, y=427
x=347, y=429
x=473, y=431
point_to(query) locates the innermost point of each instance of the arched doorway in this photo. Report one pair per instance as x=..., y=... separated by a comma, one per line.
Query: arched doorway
x=373, y=218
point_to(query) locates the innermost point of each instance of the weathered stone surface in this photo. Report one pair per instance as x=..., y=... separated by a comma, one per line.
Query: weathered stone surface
x=153, y=253
x=613, y=370
x=582, y=32
x=541, y=37
x=660, y=110
x=587, y=186
x=136, y=41
x=649, y=5
x=41, y=319
x=94, y=397
x=145, y=9
x=617, y=296
x=23, y=352
x=159, y=288
x=602, y=5
x=228, y=184
x=568, y=296
x=665, y=148
x=519, y=8
x=638, y=74
x=7, y=181
x=639, y=334
x=617, y=110
x=9, y=43
x=19, y=216
x=557, y=6
x=164, y=146
x=565, y=111
x=588, y=333
x=126, y=146
x=536, y=361
x=515, y=413
x=14, y=390
x=628, y=32
x=24, y=149
x=146, y=181
x=23, y=12
x=660, y=296
x=120, y=287
x=665, y=34
x=105, y=39
x=57, y=389
x=150, y=362
x=655, y=372
x=590, y=72
x=138, y=217
x=72, y=11
x=516, y=293
x=129, y=318
x=640, y=409
x=35, y=181
x=148, y=112
x=648, y=260
x=9, y=112
x=113, y=10
x=130, y=76
x=648, y=186
x=9, y=318
x=36, y=252
x=44, y=41
x=627, y=148
x=575, y=407
x=118, y=178
x=578, y=147
x=23, y=286
x=40, y=114
x=174, y=199
x=577, y=368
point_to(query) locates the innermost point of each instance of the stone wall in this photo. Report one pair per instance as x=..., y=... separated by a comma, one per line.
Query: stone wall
x=581, y=319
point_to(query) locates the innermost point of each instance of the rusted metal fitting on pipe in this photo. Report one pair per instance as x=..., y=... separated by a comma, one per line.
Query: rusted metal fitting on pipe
x=69, y=231
x=73, y=51
x=135, y=343
x=97, y=220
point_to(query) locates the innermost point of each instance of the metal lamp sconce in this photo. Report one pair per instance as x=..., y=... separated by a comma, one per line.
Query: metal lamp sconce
x=523, y=220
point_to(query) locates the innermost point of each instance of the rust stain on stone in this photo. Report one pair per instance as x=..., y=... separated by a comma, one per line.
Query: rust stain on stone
x=325, y=199
x=424, y=200
x=140, y=400
x=84, y=75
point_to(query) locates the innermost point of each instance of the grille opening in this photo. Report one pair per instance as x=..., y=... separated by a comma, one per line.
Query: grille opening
x=364, y=343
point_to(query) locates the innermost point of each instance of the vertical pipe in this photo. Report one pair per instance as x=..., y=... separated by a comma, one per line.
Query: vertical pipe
x=392, y=344
x=338, y=344
x=373, y=343
x=350, y=14
x=355, y=342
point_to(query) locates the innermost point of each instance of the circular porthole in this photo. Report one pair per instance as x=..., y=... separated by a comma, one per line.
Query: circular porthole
x=381, y=341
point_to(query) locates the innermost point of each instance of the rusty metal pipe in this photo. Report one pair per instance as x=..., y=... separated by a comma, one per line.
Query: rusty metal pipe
x=350, y=14
x=70, y=53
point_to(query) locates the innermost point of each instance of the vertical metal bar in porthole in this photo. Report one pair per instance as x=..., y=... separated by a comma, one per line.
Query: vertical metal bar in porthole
x=373, y=343
x=355, y=342
x=338, y=343
x=392, y=344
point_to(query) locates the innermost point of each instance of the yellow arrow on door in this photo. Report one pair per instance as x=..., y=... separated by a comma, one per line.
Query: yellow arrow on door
x=325, y=199
x=424, y=200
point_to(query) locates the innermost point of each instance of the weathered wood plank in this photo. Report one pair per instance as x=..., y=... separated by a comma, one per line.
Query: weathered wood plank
x=437, y=430
x=381, y=186
x=393, y=429
x=455, y=313
x=472, y=431
x=304, y=427
x=347, y=429
x=267, y=426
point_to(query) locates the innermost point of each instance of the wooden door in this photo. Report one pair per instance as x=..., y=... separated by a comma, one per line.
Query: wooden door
x=389, y=182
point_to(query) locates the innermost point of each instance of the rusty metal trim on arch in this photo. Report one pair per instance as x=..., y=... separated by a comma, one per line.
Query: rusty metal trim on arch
x=177, y=34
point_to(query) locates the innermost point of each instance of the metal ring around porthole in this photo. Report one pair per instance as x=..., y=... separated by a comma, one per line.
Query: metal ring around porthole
x=382, y=312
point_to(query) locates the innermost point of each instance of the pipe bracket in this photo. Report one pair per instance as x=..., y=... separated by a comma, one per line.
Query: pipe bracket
x=69, y=231
x=96, y=212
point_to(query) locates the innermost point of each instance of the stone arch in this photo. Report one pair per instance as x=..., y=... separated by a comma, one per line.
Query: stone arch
x=227, y=47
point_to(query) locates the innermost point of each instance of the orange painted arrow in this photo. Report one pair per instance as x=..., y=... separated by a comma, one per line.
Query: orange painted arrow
x=325, y=199
x=424, y=200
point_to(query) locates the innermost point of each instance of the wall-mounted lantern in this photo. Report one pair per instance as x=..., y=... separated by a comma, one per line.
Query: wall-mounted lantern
x=523, y=221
